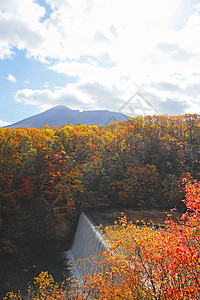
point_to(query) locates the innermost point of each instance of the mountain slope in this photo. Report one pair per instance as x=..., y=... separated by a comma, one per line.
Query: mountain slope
x=59, y=115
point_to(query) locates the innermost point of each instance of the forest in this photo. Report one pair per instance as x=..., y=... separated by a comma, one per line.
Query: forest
x=48, y=175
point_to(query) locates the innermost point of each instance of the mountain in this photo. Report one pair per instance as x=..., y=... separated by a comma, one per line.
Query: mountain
x=59, y=115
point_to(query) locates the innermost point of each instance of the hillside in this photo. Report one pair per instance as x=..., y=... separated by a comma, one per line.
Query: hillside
x=59, y=115
x=48, y=175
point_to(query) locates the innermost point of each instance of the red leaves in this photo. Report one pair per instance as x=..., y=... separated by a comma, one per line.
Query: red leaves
x=26, y=188
x=192, y=199
x=146, y=263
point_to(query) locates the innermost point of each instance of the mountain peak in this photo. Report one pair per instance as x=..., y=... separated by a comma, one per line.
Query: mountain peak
x=61, y=114
x=58, y=107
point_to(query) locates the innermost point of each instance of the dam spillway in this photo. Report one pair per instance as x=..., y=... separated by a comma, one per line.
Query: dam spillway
x=87, y=246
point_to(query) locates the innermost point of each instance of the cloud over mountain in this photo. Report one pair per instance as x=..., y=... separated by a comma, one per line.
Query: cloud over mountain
x=107, y=51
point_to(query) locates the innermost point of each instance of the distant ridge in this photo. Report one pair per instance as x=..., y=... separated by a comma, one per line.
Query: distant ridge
x=59, y=115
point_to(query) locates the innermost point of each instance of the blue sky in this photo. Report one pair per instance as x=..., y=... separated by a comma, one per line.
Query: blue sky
x=89, y=54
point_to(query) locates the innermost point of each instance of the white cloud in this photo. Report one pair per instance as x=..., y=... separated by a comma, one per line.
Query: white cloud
x=20, y=26
x=110, y=48
x=11, y=78
x=83, y=27
x=58, y=3
x=165, y=97
x=4, y=123
x=5, y=51
x=82, y=95
x=45, y=99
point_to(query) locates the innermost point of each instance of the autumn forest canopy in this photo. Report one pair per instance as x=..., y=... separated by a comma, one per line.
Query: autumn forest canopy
x=48, y=175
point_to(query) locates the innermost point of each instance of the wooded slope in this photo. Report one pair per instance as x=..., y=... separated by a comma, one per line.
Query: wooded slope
x=48, y=175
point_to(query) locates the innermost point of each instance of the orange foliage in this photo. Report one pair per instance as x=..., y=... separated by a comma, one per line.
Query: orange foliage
x=141, y=263
x=150, y=263
x=53, y=173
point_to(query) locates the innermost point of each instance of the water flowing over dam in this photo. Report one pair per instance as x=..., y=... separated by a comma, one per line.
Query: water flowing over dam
x=88, y=245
